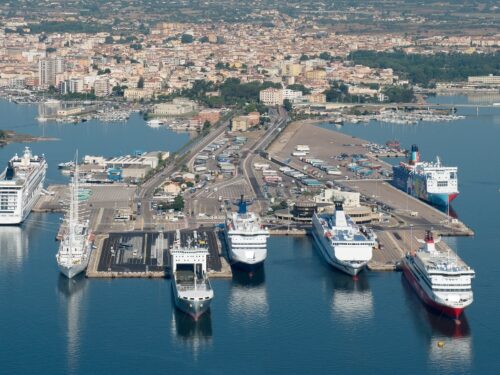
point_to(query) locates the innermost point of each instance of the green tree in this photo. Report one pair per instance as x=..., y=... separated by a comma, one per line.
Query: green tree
x=325, y=56
x=187, y=38
x=140, y=83
x=206, y=126
x=288, y=105
x=399, y=94
x=178, y=204
x=299, y=87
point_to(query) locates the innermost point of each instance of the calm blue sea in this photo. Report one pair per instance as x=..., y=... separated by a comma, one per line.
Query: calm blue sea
x=296, y=316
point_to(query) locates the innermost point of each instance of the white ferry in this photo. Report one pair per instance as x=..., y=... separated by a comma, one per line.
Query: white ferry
x=246, y=238
x=441, y=280
x=341, y=242
x=190, y=285
x=21, y=184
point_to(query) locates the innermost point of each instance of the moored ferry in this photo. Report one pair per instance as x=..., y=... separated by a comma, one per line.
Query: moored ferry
x=341, y=242
x=246, y=238
x=429, y=181
x=190, y=284
x=21, y=184
x=442, y=280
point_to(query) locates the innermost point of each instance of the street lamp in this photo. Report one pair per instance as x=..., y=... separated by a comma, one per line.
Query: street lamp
x=411, y=238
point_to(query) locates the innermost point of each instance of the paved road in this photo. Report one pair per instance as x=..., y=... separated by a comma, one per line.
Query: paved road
x=261, y=145
x=147, y=189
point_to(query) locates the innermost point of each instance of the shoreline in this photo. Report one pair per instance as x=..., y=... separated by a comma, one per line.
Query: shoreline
x=13, y=137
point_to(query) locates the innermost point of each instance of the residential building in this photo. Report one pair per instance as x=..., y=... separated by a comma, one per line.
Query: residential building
x=102, y=87
x=137, y=94
x=291, y=94
x=48, y=69
x=271, y=96
x=178, y=107
x=319, y=98
x=489, y=80
x=76, y=85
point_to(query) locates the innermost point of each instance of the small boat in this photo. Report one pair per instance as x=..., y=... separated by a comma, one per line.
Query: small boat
x=66, y=165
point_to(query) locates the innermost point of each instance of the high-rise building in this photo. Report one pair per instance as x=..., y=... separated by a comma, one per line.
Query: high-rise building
x=64, y=87
x=76, y=85
x=48, y=69
x=101, y=87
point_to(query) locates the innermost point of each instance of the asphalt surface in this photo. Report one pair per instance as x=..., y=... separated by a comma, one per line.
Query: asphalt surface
x=132, y=251
x=148, y=188
x=259, y=146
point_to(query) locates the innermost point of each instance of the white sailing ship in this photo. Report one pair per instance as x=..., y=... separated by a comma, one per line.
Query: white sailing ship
x=76, y=245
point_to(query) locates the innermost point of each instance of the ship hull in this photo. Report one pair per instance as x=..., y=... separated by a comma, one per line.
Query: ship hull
x=450, y=311
x=17, y=219
x=72, y=271
x=441, y=200
x=254, y=260
x=195, y=309
x=247, y=259
x=247, y=266
x=333, y=261
x=416, y=187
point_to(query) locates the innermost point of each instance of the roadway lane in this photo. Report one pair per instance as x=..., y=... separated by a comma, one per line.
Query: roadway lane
x=148, y=188
x=261, y=145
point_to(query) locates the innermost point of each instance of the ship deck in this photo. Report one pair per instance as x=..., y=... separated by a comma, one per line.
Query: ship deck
x=443, y=261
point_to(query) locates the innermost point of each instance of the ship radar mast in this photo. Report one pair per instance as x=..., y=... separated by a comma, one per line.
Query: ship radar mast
x=242, y=204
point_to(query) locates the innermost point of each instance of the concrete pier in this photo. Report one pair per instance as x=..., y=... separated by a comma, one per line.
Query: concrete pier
x=146, y=254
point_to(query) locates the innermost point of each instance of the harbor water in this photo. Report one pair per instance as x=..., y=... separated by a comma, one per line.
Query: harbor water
x=297, y=315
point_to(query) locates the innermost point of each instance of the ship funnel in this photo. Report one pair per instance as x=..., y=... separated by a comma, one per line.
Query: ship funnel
x=429, y=237
x=340, y=218
x=339, y=206
x=415, y=156
x=10, y=173
x=242, y=205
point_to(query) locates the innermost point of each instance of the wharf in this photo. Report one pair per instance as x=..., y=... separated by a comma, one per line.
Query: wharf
x=403, y=218
x=328, y=144
x=393, y=245
x=146, y=254
x=100, y=204
x=53, y=200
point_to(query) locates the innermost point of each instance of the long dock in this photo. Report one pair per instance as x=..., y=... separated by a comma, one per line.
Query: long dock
x=400, y=213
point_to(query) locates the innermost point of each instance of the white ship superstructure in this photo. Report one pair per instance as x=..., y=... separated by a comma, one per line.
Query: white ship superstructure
x=441, y=279
x=341, y=242
x=190, y=285
x=76, y=245
x=246, y=238
x=431, y=182
x=21, y=184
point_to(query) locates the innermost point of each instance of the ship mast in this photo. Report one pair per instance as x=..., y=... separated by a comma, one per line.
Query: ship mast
x=73, y=207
